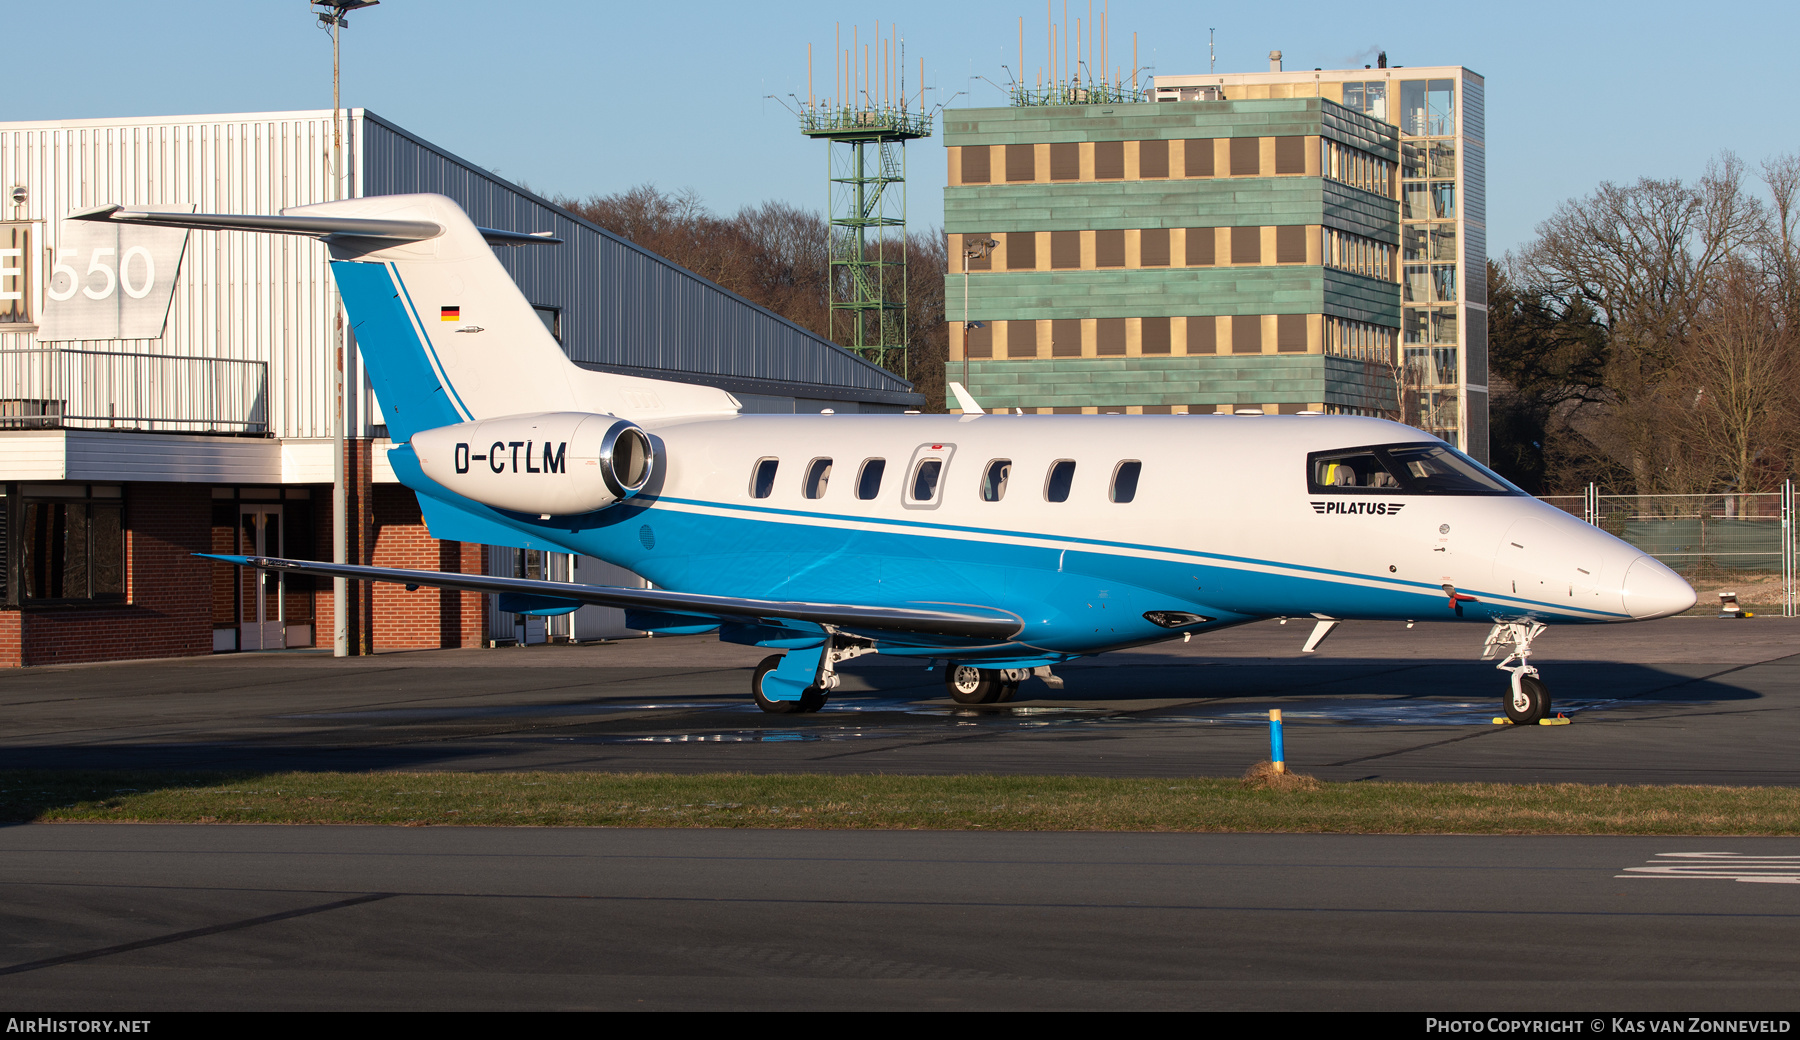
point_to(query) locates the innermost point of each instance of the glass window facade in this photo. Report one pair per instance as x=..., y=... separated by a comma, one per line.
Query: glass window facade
x=1428, y=245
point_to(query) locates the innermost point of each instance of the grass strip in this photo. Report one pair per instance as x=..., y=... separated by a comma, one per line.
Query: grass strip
x=1022, y=803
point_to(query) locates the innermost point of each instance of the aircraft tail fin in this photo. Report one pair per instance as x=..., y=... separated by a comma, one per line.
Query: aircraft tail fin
x=446, y=334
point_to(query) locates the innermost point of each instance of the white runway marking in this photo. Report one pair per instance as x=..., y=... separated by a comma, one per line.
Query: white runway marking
x=1719, y=866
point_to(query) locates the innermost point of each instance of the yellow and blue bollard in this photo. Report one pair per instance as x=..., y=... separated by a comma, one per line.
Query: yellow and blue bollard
x=1277, y=755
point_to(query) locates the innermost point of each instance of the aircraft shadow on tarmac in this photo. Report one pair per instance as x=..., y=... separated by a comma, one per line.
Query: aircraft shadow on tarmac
x=603, y=718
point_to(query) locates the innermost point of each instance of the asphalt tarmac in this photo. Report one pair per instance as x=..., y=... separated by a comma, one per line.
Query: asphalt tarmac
x=147, y=918
x=1684, y=700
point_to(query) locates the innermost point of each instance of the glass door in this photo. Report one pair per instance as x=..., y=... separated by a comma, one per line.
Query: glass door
x=260, y=623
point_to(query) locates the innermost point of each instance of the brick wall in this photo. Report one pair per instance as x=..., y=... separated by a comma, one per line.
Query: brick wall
x=427, y=617
x=173, y=597
x=169, y=592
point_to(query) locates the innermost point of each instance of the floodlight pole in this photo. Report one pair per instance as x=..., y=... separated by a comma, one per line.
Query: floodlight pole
x=333, y=19
x=340, y=497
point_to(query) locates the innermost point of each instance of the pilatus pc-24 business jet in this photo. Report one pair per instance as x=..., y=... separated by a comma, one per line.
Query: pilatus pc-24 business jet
x=1003, y=545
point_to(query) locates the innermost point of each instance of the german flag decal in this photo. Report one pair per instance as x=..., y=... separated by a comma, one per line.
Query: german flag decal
x=449, y=313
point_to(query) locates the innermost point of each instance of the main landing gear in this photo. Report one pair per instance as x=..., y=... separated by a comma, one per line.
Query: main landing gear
x=802, y=679
x=1528, y=700
x=970, y=685
x=811, y=699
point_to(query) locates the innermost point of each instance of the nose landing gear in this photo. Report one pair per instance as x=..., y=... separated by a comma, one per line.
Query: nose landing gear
x=1529, y=699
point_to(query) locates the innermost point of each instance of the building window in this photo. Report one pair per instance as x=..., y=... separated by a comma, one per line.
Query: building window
x=868, y=482
x=1290, y=333
x=1360, y=341
x=1021, y=162
x=1021, y=339
x=1065, y=249
x=1359, y=255
x=984, y=262
x=1290, y=244
x=1154, y=336
x=1246, y=334
x=552, y=319
x=1109, y=338
x=979, y=341
x=1428, y=107
x=1200, y=247
x=975, y=168
x=71, y=544
x=1246, y=245
x=1246, y=156
x=1203, y=335
x=1021, y=250
x=1065, y=162
x=1430, y=325
x=1197, y=157
x=1290, y=155
x=1153, y=247
x=1368, y=97
x=1109, y=160
x=1357, y=168
x=1153, y=158
x=1109, y=249
x=1065, y=337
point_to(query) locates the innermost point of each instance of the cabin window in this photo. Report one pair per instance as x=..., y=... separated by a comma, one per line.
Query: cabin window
x=1125, y=480
x=868, y=483
x=818, y=475
x=1405, y=469
x=1062, y=475
x=762, y=478
x=925, y=479
x=993, y=480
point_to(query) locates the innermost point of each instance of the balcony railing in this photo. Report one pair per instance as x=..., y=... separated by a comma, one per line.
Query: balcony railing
x=48, y=388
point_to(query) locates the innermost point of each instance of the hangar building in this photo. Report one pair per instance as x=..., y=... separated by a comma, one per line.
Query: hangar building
x=209, y=429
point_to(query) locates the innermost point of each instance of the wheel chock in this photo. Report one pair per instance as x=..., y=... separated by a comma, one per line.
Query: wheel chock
x=1501, y=720
x=1553, y=722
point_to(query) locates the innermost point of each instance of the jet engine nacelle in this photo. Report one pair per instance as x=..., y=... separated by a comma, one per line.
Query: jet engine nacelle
x=554, y=464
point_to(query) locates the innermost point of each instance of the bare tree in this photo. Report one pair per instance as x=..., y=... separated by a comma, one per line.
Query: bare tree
x=1643, y=256
x=1738, y=416
x=778, y=256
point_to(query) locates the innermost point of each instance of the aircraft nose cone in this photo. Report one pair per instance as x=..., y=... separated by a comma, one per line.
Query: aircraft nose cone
x=1652, y=590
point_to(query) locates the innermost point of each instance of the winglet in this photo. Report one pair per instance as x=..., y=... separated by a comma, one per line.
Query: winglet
x=965, y=400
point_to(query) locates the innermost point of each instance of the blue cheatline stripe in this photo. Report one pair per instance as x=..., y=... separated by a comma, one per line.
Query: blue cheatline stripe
x=425, y=337
x=1392, y=584
x=399, y=367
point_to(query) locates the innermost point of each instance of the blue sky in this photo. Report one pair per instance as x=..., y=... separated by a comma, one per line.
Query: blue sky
x=586, y=98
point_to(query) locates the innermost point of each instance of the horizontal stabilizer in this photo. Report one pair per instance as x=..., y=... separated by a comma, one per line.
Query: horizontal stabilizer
x=395, y=231
x=925, y=618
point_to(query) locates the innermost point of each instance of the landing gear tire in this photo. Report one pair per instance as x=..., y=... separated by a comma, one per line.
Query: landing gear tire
x=811, y=700
x=1010, y=681
x=970, y=685
x=1529, y=702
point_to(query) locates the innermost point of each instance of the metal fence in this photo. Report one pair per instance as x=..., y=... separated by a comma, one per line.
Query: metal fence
x=49, y=388
x=1743, y=544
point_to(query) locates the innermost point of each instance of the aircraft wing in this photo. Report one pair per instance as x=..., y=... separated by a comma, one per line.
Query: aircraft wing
x=942, y=619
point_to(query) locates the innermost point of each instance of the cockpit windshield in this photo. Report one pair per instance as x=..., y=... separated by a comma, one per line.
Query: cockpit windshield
x=1404, y=469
